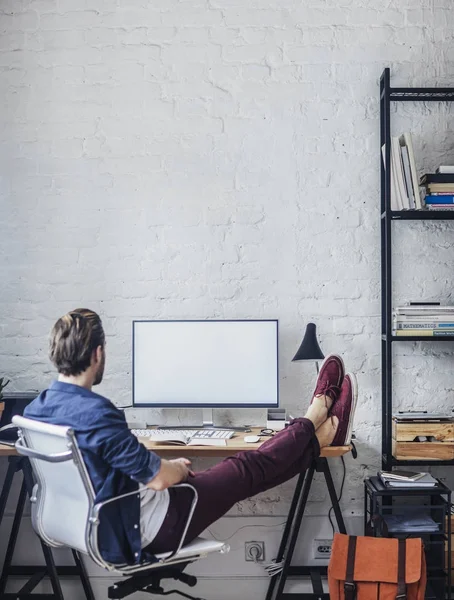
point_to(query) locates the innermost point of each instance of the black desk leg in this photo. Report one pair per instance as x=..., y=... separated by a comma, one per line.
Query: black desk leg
x=13, y=538
x=51, y=570
x=291, y=532
x=83, y=576
x=287, y=529
x=12, y=468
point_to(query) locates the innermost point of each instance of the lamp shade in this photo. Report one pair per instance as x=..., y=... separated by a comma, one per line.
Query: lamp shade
x=309, y=349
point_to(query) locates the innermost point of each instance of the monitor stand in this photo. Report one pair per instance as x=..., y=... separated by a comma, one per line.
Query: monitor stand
x=207, y=418
x=208, y=423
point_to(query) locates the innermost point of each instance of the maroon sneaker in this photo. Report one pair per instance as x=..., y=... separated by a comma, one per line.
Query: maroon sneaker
x=330, y=377
x=344, y=409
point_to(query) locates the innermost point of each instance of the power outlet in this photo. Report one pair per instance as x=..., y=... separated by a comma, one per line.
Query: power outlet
x=254, y=551
x=322, y=548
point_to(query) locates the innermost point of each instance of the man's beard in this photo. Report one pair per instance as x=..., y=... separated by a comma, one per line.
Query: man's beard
x=100, y=371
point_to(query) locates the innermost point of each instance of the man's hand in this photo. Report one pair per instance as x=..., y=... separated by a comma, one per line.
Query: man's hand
x=184, y=461
x=171, y=472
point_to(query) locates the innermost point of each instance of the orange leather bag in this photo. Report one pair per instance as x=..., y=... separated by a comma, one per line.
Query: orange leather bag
x=368, y=568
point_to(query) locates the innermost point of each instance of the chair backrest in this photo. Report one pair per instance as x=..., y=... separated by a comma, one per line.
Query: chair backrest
x=63, y=494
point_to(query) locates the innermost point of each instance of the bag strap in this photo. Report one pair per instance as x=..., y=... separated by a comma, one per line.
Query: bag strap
x=349, y=584
x=401, y=585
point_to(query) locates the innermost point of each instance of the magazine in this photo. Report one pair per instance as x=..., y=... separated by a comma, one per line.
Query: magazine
x=177, y=438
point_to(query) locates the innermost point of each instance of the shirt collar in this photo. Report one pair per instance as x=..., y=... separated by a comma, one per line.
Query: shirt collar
x=70, y=388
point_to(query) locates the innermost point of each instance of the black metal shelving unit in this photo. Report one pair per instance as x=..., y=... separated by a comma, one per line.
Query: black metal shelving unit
x=381, y=502
x=389, y=94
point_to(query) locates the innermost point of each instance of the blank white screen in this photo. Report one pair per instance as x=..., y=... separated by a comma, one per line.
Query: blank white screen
x=205, y=363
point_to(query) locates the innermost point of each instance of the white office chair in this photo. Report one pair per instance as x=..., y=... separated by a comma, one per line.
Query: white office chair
x=63, y=485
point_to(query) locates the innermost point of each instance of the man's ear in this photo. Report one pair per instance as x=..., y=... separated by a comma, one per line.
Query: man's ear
x=97, y=354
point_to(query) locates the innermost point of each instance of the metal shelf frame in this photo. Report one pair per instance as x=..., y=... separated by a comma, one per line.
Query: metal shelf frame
x=389, y=94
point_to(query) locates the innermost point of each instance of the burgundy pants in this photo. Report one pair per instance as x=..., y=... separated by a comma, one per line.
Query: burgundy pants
x=236, y=478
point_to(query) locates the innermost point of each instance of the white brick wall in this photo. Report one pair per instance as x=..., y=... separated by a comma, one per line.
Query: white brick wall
x=218, y=159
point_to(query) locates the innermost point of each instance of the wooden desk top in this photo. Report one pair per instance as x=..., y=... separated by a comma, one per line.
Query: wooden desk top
x=234, y=445
x=7, y=451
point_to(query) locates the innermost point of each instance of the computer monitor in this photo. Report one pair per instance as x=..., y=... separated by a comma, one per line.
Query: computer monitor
x=205, y=364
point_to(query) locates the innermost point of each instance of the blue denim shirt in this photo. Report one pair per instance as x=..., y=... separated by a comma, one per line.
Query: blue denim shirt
x=115, y=460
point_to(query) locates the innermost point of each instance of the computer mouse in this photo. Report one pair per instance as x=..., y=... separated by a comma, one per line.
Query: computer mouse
x=251, y=439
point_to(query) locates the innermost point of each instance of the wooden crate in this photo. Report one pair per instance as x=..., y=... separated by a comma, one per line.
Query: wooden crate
x=405, y=447
x=407, y=432
x=423, y=450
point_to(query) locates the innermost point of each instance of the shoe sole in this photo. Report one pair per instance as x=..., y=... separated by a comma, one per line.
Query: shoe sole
x=326, y=359
x=348, y=437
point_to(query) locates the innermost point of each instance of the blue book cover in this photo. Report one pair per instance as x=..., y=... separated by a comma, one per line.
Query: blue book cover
x=447, y=199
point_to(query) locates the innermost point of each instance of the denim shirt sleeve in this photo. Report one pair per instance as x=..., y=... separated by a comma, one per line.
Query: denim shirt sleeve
x=121, y=449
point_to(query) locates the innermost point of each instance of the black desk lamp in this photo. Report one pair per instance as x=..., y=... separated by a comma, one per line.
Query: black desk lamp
x=309, y=349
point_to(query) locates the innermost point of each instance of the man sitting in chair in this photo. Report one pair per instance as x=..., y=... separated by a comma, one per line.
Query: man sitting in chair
x=153, y=521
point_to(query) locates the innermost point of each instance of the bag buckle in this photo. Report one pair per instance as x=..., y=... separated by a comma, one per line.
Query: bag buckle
x=401, y=597
x=350, y=589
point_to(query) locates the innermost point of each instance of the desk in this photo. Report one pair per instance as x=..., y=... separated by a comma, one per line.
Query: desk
x=234, y=445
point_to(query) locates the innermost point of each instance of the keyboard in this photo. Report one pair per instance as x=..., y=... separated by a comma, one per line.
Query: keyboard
x=217, y=434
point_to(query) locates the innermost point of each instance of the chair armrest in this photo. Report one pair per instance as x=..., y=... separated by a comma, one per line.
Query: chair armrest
x=98, y=507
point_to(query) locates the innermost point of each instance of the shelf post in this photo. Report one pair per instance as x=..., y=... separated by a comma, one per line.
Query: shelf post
x=386, y=274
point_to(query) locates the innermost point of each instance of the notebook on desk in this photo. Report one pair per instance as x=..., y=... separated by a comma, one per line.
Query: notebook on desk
x=177, y=438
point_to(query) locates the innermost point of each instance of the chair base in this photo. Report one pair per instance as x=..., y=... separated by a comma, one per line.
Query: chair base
x=150, y=582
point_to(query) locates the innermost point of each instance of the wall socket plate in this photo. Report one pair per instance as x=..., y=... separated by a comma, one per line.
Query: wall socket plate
x=254, y=551
x=322, y=548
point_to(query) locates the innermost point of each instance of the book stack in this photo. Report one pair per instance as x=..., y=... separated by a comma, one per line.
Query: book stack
x=410, y=524
x=423, y=320
x=439, y=189
x=405, y=194
x=406, y=479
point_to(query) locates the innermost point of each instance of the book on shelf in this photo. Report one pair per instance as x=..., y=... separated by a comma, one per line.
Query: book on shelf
x=395, y=197
x=407, y=176
x=179, y=438
x=396, y=158
x=434, y=320
x=424, y=310
x=437, y=178
x=421, y=480
x=411, y=523
x=422, y=325
x=405, y=194
x=440, y=187
x=425, y=318
x=406, y=145
x=400, y=475
x=435, y=199
x=436, y=207
x=423, y=332
x=445, y=169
